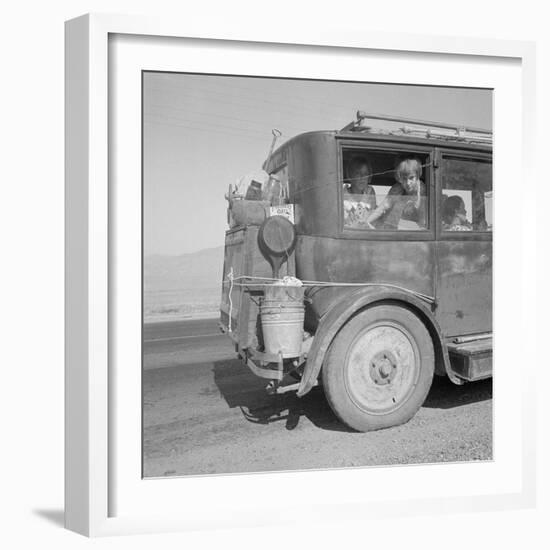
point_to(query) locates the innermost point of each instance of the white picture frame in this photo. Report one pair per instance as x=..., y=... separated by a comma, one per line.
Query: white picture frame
x=103, y=498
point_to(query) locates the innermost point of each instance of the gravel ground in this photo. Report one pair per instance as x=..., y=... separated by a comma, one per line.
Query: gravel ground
x=214, y=417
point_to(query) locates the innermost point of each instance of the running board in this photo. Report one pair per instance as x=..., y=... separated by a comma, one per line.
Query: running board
x=472, y=360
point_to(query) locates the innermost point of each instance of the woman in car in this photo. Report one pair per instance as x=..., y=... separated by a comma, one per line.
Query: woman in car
x=454, y=215
x=360, y=198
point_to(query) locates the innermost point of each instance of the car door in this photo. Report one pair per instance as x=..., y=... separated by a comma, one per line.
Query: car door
x=464, y=247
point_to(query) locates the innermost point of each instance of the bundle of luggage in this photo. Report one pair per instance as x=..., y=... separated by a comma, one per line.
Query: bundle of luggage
x=251, y=198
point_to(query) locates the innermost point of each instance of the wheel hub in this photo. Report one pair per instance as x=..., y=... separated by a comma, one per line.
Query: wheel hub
x=383, y=367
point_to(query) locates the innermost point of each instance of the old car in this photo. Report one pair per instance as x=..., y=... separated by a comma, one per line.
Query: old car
x=367, y=294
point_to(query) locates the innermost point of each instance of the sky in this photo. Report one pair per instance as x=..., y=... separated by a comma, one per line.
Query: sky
x=203, y=132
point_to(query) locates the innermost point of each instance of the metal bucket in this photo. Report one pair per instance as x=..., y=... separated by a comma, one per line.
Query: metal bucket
x=282, y=315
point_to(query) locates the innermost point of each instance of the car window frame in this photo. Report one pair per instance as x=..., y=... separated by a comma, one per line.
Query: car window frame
x=458, y=154
x=388, y=145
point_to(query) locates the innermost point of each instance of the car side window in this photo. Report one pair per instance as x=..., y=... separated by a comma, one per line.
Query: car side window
x=467, y=195
x=385, y=190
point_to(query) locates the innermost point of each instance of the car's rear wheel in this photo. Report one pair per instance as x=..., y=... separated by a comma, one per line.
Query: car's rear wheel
x=379, y=368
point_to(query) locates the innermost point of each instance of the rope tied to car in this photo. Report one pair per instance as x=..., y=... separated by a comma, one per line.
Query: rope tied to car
x=266, y=281
x=231, y=284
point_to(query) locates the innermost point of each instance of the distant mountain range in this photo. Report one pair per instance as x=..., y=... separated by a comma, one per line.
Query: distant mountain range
x=196, y=270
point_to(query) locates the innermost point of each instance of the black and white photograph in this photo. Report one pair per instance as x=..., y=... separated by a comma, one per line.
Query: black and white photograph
x=253, y=290
x=317, y=274
x=255, y=296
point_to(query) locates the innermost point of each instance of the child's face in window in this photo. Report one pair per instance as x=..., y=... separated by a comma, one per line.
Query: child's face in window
x=410, y=182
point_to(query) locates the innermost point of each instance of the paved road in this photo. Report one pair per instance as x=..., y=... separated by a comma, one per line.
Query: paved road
x=179, y=343
x=205, y=413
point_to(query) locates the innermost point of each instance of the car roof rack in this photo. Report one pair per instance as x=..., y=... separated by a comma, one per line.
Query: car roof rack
x=420, y=128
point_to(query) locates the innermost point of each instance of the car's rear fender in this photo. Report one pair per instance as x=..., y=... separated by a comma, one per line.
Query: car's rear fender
x=335, y=318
